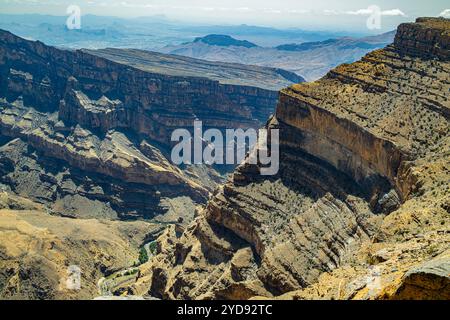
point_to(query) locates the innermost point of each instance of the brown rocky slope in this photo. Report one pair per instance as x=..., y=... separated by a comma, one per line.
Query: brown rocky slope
x=360, y=208
x=37, y=250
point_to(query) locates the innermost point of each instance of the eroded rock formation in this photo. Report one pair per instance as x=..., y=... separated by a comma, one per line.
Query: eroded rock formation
x=361, y=199
x=85, y=140
x=94, y=133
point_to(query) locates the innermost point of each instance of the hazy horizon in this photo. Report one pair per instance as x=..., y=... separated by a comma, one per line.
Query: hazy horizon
x=350, y=15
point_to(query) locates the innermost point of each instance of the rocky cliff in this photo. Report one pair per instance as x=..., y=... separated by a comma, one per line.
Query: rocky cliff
x=116, y=95
x=360, y=206
x=89, y=136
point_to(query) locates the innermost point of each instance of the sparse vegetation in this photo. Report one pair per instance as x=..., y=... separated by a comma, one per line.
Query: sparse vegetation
x=143, y=256
x=153, y=246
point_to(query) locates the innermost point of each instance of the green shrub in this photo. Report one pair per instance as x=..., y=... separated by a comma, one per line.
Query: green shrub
x=153, y=247
x=143, y=256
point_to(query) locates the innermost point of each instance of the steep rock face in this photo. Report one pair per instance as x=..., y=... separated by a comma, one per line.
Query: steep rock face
x=228, y=74
x=113, y=120
x=429, y=280
x=364, y=155
x=76, y=172
x=414, y=39
x=70, y=191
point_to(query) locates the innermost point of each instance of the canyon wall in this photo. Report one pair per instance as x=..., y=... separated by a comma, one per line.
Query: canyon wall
x=113, y=120
x=85, y=140
x=362, y=194
x=115, y=95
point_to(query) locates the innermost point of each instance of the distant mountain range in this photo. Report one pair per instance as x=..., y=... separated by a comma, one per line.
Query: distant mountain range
x=310, y=54
x=309, y=59
x=224, y=41
x=145, y=32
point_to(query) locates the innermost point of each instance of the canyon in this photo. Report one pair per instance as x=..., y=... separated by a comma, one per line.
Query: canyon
x=104, y=126
x=85, y=146
x=360, y=208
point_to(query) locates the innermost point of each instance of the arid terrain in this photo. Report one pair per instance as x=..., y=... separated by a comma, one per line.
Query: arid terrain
x=85, y=144
x=360, y=208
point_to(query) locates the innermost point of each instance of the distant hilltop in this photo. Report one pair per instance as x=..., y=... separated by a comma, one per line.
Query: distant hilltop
x=224, y=41
x=366, y=43
x=309, y=59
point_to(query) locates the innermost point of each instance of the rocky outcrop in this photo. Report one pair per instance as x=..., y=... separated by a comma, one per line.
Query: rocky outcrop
x=414, y=39
x=76, y=172
x=363, y=168
x=430, y=280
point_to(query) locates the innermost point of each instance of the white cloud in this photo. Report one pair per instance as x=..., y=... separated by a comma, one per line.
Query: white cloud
x=360, y=12
x=367, y=12
x=445, y=13
x=330, y=12
x=393, y=12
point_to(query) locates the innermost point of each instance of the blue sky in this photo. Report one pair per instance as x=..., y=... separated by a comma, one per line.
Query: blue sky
x=317, y=14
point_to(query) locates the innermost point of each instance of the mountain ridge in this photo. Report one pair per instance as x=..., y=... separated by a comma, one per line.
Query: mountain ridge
x=371, y=42
x=360, y=207
x=311, y=60
x=224, y=41
x=224, y=72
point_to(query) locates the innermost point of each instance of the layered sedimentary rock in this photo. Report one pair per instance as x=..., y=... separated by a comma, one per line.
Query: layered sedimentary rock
x=229, y=74
x=85, y=137
x=361, y=200
x=116, y=95
x=415, y=39
x=95, y=133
